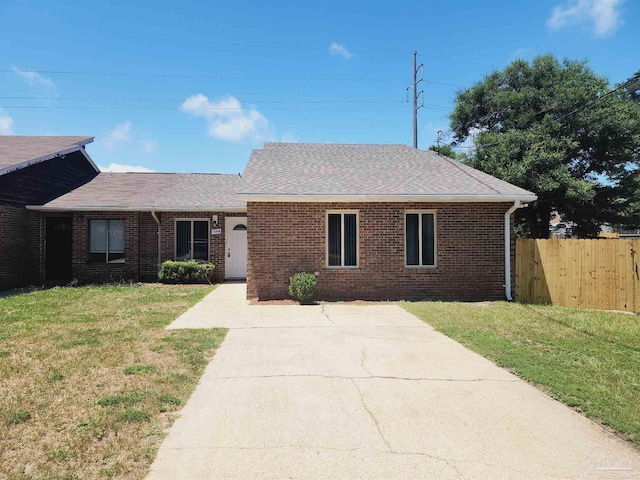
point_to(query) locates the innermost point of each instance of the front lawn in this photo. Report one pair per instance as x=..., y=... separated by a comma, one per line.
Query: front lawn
x=90, y=381
x=588, y=359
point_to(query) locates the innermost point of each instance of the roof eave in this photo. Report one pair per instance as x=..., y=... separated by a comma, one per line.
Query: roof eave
x=103, y=208
x=259, y=197
x=49, y=156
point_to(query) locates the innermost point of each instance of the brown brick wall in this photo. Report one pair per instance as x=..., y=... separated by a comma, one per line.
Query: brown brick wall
x=216, y=242
x=141, y=247
x=285, y=238
x=20, y=247
x=88, y=272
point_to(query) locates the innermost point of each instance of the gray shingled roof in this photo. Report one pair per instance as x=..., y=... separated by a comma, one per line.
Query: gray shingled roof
x=153, y=191
x=298, y=169
x=20, y=151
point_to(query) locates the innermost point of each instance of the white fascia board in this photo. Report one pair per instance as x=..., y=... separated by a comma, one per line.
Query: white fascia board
x=87, y=208
x=49, y=156
x=248, y=197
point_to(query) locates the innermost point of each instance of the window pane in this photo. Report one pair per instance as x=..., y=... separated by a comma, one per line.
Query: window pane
x=350, y=240
x=412, y=239
x=97, y=257
x=116, y=236
x=334, y=240
x=183, y=240
x=428, y=239
x=98, y=236
x=201, y=240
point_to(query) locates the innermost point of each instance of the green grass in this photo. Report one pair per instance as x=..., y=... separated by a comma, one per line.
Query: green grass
x=588, y=359
x=90, y=379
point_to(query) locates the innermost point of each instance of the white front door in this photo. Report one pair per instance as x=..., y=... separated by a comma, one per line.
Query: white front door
x=235, y=230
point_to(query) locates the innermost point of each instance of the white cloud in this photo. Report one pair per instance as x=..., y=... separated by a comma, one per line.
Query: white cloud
x=341, y=50
x=227, y=119
x=289, y=138
x=604, y=14
x=6, y=123
x=120, y=168
x=122, y=133
x=34, y=79
x=149, y=146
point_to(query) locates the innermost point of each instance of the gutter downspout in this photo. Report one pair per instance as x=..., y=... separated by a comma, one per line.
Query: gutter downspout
x=155, y=217
x=507, y=249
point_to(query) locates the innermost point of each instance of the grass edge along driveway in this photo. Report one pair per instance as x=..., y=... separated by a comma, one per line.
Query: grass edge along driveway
x=90, y=381
x=587, y=359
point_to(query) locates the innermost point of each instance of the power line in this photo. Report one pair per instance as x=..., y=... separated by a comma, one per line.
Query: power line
x=215, y=76
x=203, y=76
x=105, y=99
x=109, y=107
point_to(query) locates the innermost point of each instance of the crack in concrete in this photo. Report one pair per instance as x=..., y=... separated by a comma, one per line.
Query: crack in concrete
x=381, y=377
x=373, y=417
x=325, y=314
x=363, y=358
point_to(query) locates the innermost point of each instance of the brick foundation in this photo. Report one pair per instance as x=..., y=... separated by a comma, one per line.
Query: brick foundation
x=285, y=238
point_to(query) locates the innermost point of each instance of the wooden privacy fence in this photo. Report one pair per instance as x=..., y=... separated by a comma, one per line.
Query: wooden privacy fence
x=579, y=273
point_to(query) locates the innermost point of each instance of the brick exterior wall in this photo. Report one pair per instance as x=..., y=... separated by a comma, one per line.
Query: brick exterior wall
x=20, y=247
x=88, y=272
x=285, y=238
x=141, y=245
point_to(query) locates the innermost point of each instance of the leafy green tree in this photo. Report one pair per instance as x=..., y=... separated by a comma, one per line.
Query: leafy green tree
x=557, y=129
x=445, y=149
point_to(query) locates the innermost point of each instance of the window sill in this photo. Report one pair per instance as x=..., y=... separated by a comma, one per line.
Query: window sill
x=94, y=264
x=342, y=268
x=421, y=267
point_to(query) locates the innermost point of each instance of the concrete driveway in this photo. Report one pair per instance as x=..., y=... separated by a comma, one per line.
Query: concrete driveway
x=352, y=391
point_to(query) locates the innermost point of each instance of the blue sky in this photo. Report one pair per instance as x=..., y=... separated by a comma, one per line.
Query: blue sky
x=194, y=86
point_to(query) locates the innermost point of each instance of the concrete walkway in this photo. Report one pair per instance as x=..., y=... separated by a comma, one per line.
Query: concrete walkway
x=346, y=391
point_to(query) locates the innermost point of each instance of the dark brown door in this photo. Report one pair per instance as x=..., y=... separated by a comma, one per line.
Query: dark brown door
x=58, y=251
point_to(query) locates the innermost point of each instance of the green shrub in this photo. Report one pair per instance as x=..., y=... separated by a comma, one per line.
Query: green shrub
x=302, y=287
x=185, y=272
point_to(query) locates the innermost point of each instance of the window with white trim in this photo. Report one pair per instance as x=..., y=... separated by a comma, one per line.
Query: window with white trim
x=420, y=239
x=342, y=239
x=192, y=240
x=106, y=241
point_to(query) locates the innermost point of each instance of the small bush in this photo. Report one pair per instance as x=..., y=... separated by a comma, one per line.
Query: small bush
x=302, y=287
x=185, y=272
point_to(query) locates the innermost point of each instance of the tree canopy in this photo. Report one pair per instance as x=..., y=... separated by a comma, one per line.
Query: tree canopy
x=559, y=130
x=446, y=150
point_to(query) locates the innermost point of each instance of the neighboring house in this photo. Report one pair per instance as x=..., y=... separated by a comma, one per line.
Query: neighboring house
x=34, y=170
x=126, y=224
x=377, y=222
x=371, y=221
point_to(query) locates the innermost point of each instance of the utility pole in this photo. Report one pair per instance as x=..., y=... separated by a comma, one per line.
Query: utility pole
x=416, y=95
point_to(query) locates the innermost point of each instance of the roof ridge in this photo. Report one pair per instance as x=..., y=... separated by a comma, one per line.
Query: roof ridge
x=169, y=173
x=340, y=144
